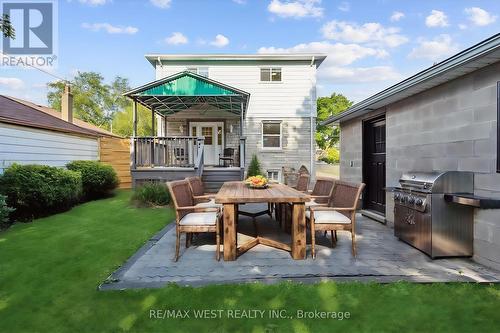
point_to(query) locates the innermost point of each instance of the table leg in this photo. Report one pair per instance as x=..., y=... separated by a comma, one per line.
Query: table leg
x=230, y=211
x=298, y=231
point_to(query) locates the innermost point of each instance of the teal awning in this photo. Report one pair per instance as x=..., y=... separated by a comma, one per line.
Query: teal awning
x=185, y=90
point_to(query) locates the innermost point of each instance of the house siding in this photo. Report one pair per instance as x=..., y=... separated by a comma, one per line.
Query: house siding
x=449, y=127
x=293, y=101
x=24, y=145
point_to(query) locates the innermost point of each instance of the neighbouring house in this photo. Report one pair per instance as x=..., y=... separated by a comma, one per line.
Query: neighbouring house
x=204, y=107
x=444, y=118
x=35, y=134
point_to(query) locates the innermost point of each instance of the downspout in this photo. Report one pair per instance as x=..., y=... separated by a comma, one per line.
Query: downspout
x=312, y=125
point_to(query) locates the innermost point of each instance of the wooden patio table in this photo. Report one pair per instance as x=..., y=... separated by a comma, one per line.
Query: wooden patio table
x=232, y=194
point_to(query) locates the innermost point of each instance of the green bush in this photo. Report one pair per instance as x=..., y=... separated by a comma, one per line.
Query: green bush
x=5, y=211
x=98, y=179
x=151, y=194
x=254, y=167
x=39, y=190
x=331, y=156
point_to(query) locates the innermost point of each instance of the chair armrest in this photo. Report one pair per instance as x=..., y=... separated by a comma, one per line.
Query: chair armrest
x=203, y=197
x=200, y=209
x=325, y=208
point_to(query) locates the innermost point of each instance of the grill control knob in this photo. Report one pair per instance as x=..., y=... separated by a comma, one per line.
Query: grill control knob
x=419, y=202
x=411, y=200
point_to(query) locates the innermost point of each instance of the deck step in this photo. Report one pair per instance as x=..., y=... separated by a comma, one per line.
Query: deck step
x=214, y=178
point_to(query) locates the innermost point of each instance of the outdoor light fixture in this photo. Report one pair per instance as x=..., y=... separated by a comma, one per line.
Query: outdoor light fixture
x=181, y=128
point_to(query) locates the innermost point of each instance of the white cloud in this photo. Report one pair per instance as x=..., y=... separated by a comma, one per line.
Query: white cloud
x=110, y=29
x=344, y=6
x=373, y=33
x=436, y=49
x=176, y=38
x=164, y=4
x=358, y=74
x=436, y=18
x=220, y=41
x=338, y=54
x=462, y=26
x=11, y=83
x=296, y=9
x=240, y=2
x=479, y=16
x=396, y=16
x=94, y=2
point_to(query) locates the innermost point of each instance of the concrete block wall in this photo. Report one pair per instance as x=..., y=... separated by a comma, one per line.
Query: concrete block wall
x=449, y=127
x=296, y=145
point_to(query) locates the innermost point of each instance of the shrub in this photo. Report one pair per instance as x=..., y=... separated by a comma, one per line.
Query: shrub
x=151, y=194
x=39, y=190
x=4, y=212
x=254, y=167
x=98, y=180
x=331, y=156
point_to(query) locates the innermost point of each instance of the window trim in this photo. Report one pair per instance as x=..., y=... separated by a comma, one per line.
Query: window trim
x=190, y=69
x=274, y=135
x=270, y=74
x=274, y=170
x=498, y=127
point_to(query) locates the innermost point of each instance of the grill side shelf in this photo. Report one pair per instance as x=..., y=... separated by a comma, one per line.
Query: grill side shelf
x=472, y=200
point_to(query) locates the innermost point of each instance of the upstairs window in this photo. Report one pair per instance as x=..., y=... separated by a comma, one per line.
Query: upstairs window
x=271, y=134
x=270, y=74
x=274, y=175
x=203, y=71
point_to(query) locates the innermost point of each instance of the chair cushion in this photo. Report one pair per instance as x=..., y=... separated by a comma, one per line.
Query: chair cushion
x=329, y=216
x=209, y=204
x=202, y=218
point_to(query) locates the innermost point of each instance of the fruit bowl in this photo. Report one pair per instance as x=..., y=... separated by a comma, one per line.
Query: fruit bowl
x=257, y=182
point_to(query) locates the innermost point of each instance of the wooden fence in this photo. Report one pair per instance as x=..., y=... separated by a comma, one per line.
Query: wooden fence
x=116, y=152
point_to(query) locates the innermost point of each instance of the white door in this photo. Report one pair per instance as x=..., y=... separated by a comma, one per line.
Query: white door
x=214, y=139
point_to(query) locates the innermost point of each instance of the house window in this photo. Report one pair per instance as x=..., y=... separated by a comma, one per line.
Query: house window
x=270, y=74
x=207, y=132
x=271, y=134
x=273, y=175
x=203, y=71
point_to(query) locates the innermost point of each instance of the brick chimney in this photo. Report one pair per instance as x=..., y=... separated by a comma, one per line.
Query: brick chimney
x=67, y=104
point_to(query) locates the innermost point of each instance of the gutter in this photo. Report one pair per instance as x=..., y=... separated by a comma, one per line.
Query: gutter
x=472, y=53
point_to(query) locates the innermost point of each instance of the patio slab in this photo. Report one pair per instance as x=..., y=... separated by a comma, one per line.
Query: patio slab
x=381, y=257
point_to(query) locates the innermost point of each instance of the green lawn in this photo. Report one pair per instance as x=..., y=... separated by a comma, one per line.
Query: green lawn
x=50, y=269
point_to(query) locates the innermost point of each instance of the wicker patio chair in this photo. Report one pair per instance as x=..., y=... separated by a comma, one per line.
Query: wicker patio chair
x=303, y=182
x=321, y=192
x=191, y=219
x=340, y=214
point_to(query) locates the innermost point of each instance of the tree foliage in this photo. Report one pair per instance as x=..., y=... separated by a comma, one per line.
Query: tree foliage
x=254, y=167
x=6, y=27
x=123, y=125
x=94, y=101
x=328, y=136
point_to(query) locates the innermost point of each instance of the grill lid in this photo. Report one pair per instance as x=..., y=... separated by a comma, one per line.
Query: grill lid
x=439, y=181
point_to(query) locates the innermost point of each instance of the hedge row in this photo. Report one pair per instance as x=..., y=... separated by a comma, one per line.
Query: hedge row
x=40, y=190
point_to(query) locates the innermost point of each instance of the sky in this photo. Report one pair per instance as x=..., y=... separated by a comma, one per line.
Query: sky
x=370, y=44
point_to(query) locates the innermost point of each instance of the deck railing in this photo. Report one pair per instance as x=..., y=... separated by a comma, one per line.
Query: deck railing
x=168, y=151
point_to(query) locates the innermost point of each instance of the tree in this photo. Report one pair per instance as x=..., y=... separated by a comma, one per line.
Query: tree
x=123, y=125
x=254, y=167
x=6, y=27
x=93, y=101
x=328, y=136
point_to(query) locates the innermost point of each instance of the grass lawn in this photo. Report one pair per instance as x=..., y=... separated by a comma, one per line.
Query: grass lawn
x=50, y=269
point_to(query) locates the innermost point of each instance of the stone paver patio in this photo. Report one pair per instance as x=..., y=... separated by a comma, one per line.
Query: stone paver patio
x=381, y=257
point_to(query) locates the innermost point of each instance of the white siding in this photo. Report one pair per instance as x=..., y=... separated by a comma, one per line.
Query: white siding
x=24, y=145
x=294, y=96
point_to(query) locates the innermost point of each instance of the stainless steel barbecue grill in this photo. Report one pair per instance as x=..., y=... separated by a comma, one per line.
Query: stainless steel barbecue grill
x=425, y=220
